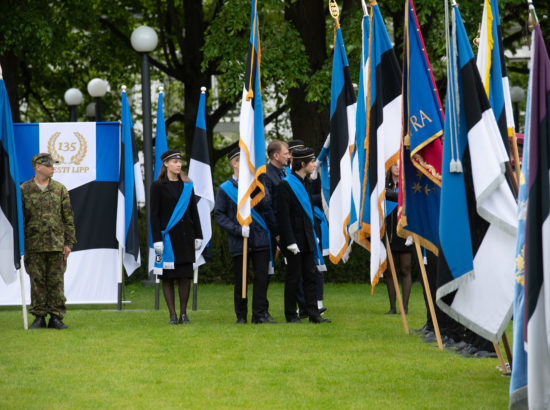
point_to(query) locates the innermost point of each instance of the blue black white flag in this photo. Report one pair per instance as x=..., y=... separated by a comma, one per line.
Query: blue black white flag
x=201, y=175
x=382, y=142
x=342, y=139
x=359, y=156
x=518, y=381
x=88, y=167
x=421, y=148
x=537, y=232
x=478, y=222
x=130, y=192
x=11, y=214
x=161, y=146
x=492, y=69
x=251, y=128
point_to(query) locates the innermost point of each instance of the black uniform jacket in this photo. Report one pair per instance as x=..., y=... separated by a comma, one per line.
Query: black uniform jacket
x=225, y=215
x=164, y=197
x=294, y=224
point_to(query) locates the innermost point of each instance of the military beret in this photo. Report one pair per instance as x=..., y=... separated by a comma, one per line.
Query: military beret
x=43, y=158
x=294, y=144
x=171, y=154
x=305, y=153
x=233, y=153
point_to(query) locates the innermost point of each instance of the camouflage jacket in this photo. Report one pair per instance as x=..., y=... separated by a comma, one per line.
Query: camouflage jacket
x=48, y=217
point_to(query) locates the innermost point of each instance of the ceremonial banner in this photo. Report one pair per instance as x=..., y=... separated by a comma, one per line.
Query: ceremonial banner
x=518, y=381
x=201, y=175
x=478, y=222
x=537, y=232
x=342, y=139
x=383, y=131
x=11, y=214
x=161, y=146
x=358, y=171
x=492, y=69
x=88, y=155
x=421, y=148
x=251, y=128
x=130, y=192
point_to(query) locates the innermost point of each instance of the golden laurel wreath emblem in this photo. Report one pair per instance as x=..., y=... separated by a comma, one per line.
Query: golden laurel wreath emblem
x=76, y=158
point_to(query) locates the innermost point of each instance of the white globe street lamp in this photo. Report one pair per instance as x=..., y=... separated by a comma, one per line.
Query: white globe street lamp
x=144, y=40
x=73, y=97
x=97, y=88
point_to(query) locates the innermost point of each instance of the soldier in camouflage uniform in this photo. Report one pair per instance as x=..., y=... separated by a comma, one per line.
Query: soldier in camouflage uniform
x=49, y=238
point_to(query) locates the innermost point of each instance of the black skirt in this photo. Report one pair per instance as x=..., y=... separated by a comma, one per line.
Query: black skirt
x=181, y=271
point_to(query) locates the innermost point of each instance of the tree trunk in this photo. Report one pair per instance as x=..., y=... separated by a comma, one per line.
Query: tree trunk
x=9, y=63
x=308, y=122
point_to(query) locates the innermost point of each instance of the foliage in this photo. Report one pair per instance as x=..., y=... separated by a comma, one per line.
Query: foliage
x=134, y=359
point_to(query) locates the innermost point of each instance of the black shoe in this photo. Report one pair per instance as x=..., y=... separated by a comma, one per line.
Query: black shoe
x=294, y=320
x=390, y=312
x=56, y=323
x=262, y=319
x=469, y=351
x=173, y=320
x=39, y=323
x=319, y=319
x=322, y=310
x=240, y=321
x=184, y=320
x=270, y=318
x=302, y=314
x=482, y=354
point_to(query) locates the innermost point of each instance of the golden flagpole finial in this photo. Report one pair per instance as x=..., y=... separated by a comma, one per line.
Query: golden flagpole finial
x=334, y=11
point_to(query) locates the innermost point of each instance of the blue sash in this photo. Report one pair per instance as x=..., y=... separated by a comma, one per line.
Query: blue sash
x=233, y=194
x=320, y=215
x=167, y=259
x=301, y=194
x=390, y=205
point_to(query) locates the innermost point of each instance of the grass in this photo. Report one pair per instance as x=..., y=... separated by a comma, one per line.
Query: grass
x=134, y=359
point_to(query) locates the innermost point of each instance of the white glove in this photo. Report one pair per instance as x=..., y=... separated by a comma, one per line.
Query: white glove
x=293, y=248
x=246, y=231
x=141, y=204
x=159, y=247
x=409, y=241
x=198, y=244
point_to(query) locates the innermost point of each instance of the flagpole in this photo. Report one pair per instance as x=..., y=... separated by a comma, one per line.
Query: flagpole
x=23, y=301
x=195, y=287
x=500, y=358
x=396, y=285
x=157, y=292
x=245, y=259
x=428, y=292
x=119, y=278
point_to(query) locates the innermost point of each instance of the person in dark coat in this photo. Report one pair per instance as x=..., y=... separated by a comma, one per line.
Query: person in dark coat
x=225, y=215
x=400, y=247
x=298, y=239
x=185, y=235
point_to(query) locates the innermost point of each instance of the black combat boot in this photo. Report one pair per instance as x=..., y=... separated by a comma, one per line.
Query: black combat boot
x=39, y=323
x=56, y=323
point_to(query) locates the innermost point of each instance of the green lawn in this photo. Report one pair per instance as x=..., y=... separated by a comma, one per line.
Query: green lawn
x=134, y=359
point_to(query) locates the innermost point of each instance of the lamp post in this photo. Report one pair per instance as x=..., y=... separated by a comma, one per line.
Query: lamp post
x=144, y=40
x=97, y=88
x=517, y=94
x=73, y=97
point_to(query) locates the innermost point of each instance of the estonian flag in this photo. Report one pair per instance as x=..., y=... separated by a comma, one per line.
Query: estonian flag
x=11, y=214
x=478, y=222
x=359, y=156
x=492, y=69
x=421, y=148
x=537, y=232
x=382, y=139
x=342, y=140
x=161, y=146
x=518, y=381
x=251, y=128
x=130, y=192
x=201, y=175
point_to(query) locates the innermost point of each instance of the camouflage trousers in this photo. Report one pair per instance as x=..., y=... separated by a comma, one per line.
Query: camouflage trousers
x=46, y=270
